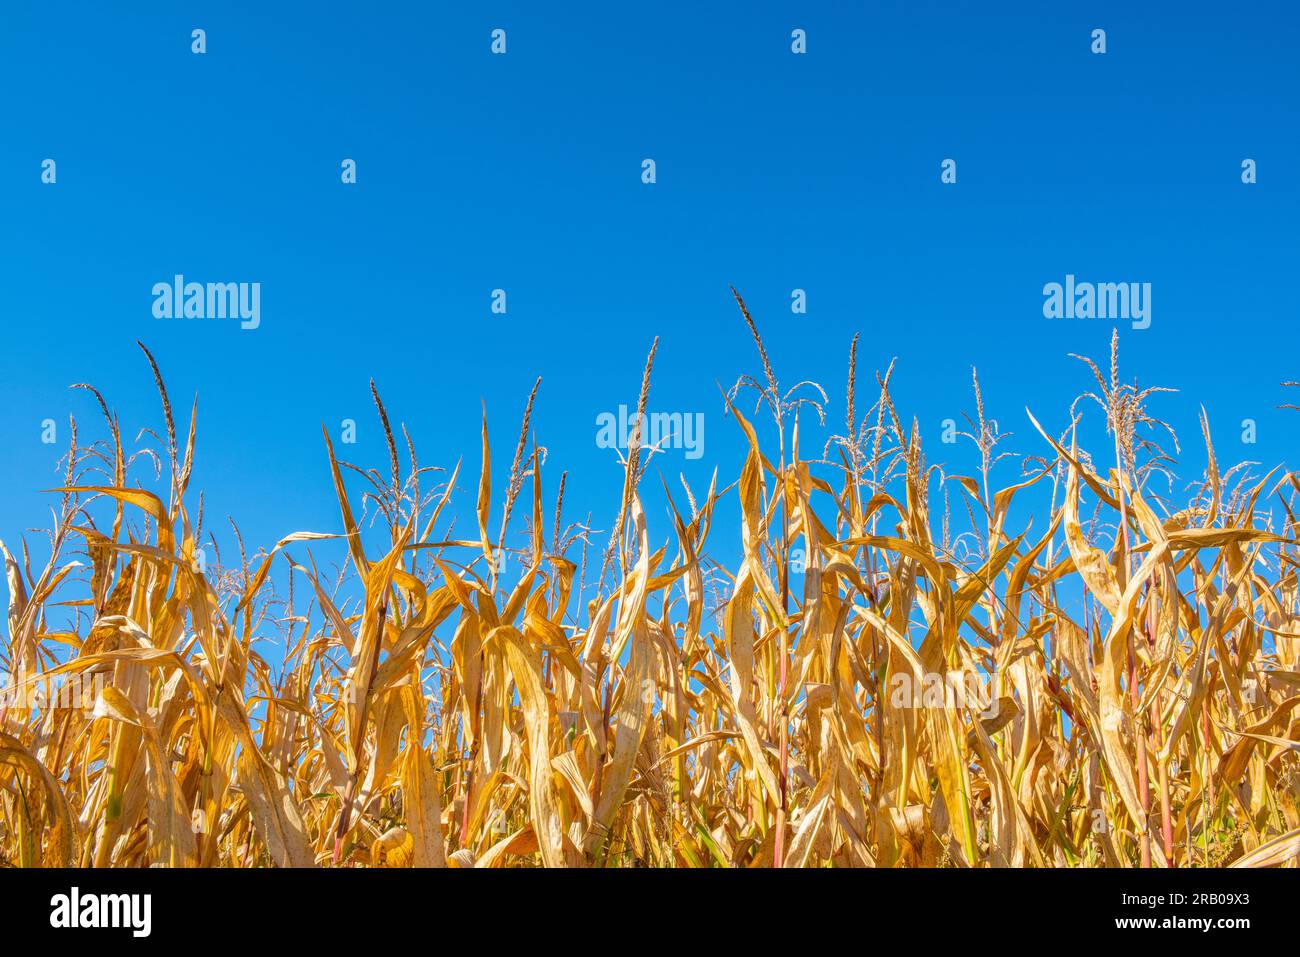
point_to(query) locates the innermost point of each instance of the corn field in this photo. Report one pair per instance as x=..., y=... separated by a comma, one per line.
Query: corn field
x=884, y=671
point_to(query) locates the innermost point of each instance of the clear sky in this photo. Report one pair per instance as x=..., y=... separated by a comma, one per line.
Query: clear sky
x=774, y=171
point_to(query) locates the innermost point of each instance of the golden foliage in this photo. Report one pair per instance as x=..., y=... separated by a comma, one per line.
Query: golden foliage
x=860, y=690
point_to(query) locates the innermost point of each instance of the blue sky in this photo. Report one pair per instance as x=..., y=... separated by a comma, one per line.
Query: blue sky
x=775, y=171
